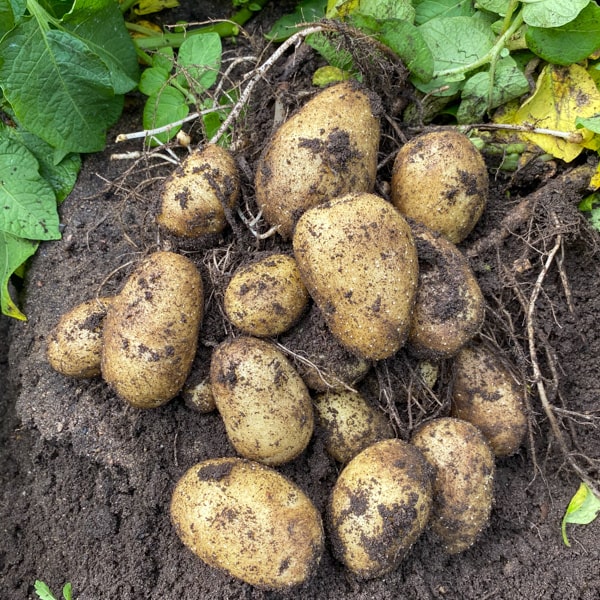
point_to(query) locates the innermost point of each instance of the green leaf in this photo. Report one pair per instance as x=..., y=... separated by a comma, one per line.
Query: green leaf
x=401, y=10
x=164, y=58
x=500, y=7
x=335, y=56
x=551, y=13
x=153, y=80
x=425, y=10
x=569, y=43
x=305, y=12
x=200, y=58
x=43, y=591
x=583, y=509
x=66, y=97
x=67, y=591
x=163, y=109
x=591, y=123
x=11, y=12
x=27, y=201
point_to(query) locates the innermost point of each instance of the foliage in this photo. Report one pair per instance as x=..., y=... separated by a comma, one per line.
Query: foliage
x=583, y=508
x=44, y=592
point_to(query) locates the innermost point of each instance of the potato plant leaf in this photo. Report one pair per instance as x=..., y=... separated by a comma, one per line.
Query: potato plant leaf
x=551, y=13
x=164, y=108
x=582, y=510
x=500, y=7
x=305, y=12
x=425, y=10
x=199, y=59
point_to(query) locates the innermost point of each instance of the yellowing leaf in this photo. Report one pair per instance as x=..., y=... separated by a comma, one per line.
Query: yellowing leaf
x=147, y=7
x=595, y=181
x=562, y=94
x=583, y=509
x=341, y=8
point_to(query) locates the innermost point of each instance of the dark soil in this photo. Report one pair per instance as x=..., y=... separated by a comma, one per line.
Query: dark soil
x=86, y=479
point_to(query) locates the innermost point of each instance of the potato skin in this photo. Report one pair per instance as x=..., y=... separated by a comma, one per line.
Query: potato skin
x=359, y=263
x=248, y=520
x=439, y=179
x=326, y=149
x=487, y=395
x=151, y=330
x=75, y=344
x=379, y=506
x=267, y=297
x=464, y=480
x=449, y=308
x=195, y=194
x=264, y=403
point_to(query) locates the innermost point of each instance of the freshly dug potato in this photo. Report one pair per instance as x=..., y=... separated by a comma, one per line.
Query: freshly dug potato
x=198, y=396
x=248, y=520
x=358, y=261
x=264, y=403
x=350, y=423
x=379, y=506
x=151, y=330
x=75, y=344
x=486, y=394
x=464, y=480
x=327, y=149
x=449, y=308
x=267, y=297
x=439, y=179
x=195, y=195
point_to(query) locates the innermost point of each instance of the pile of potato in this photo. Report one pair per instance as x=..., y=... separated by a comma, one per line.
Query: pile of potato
x=383, y=275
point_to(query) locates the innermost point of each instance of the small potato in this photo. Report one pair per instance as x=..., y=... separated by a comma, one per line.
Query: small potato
x=350, y=423
x=151, y=330
x=486, y=394
x=449, y=308
x=464, y=480
x=75, y=344
x=249, y=521
x=358, y=261
x=439, y=179
x=196, y=194
x=327, y=149
x=379, y=506
x=267, y=297
x=264, y=403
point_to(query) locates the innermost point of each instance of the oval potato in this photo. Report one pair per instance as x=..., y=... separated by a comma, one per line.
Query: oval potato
x=439, y=179
x=264, y=403
x=326, y=149
x=151, y=330
x=359, y=263
x=464, y=480
x=248, y=520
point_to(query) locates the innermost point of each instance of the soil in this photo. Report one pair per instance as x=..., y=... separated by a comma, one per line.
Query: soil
x=86, y=479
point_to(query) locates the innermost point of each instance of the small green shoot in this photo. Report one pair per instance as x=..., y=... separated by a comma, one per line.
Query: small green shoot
x=582, y=510
x=44, y=593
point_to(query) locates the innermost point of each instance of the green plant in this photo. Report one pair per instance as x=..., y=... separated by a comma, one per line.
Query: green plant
x=583, y=508
x=44, y=593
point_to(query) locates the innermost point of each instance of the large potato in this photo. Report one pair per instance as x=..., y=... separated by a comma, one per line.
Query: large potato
x=464, y=480
x=379, y=506
x=264, y=403
x=449, y=308
x=266, y=297
x=358, y=261
x=248, y=520
x=486, y=394
x=75, y=344
x=327, y=149
x=439, y=179
x=197, y=193
x=151, y=330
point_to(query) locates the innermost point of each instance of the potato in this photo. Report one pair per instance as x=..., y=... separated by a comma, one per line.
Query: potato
x=439, y=179
x=248, y=520
x=449, y=308
x=197, y=193
x=327, y=149
x=358, y=261
x=267, y=297
x=264, y=403
x=198, y=396
x=486, y=394
x=464, y=480
x=350, y=423
x=151, y=330
x=75, y=344
x=379, y=506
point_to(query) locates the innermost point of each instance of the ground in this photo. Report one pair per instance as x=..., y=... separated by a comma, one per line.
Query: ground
x=86, y=480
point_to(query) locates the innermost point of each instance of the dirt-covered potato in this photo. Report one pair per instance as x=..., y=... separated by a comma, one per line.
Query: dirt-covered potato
x=264, y=403
x=439, y=179
x=350, y=423
x=464, y=480
x=379, y=506
x=267, y=297
x=151, y=330
x=327, y=149
x=486, y=394
x=248, y=520
x=75, y=344
x=196, y=195
x=449, y=308
x=359, y=263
